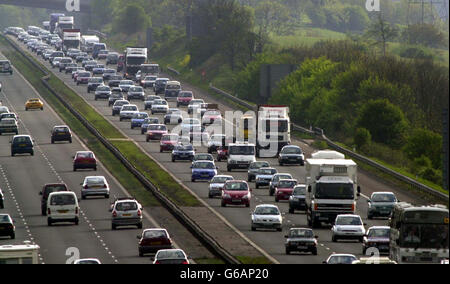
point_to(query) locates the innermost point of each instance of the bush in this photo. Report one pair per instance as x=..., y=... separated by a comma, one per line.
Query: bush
x=427, y=143
x=415, y=52
x=432, y=175
x=362, y=138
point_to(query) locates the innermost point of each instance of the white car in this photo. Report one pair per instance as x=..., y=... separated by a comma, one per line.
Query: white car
x=87, y=261
x=348, y=226
x=171, y=256
x=128, y=111
x=62, y=207
x=95, y=186
x=173, y=116
x=160, y=106
x=267, y=216
x=215, y=141
x=216, y=185
x=195, y=104
x=340, y=259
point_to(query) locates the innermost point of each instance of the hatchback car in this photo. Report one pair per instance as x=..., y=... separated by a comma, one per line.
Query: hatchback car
x=62, y=207
x=149, y=100
x=184, y=98
x=126, y=212
x=340, y=259
x=160, y=85
x=194, y=104
x=203, y=170
x=217, y=184
x=297, y=201
x=34, y=104
x=348, y=226
x=301, y=240
x=82, y=77
x=291, y=154
x=381, y=204
x=267, y=216
x=95, y=186
x=138, y=119
x=84, y=160
x=61, y=133
x=274, y=182
x=236, y=193
x=46, y=190
x=93, y=83
x=254, y=167
x=125, y=85
x=171, y=256
x=22, y=144
x=147, y=122
x=264, y=176
x=118, y=106
x=148, y=81
x=116, y=95
x=153, y=240
x=156, y=132
x=160, y=106
x=9, y=125
x=102, y=92
x=168, y=142
x=284, y=189
x=136, y=93
x=114, y=81
x=183, y=152
x=7, y=228
x=173, y=116
x=377, y=237
x=128, y=111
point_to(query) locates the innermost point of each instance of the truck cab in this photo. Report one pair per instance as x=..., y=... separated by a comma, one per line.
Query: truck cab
x=332, y=188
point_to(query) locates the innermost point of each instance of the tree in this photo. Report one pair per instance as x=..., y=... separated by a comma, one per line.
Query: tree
x=131, y=19
x=425, y=34
x=427, y=143
x=385, y=122
x=362, y=138
x=381, y=31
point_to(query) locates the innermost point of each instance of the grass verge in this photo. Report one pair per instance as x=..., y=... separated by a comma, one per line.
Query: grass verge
x=253, y=260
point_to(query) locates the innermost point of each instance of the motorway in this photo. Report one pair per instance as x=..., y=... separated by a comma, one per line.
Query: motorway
x=239, y=217
x=22, y=177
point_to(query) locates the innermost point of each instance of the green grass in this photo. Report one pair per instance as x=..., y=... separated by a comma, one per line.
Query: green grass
x=306, y=36
x=253, y=260
x=208, y=261
x=440, y=56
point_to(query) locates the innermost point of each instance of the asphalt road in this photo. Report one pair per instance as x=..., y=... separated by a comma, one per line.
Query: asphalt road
x=22, y=177
x=271, y=242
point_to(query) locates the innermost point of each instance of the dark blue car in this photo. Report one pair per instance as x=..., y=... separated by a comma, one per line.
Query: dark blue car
x=22, y=144
x=183, y=152
x=203, y=170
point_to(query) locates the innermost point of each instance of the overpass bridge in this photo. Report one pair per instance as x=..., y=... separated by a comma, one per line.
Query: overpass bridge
x=57, y=5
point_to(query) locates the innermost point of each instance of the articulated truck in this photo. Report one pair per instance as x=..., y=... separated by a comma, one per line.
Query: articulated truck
x=332, y=187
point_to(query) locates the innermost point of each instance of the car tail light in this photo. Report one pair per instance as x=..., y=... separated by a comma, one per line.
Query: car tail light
x=49, y=212
x=104, y=186
x=353, y=207
x=185, y=262
x=316, y=206
x=157, y=262
x=114, y=214
x=139, y=213
x=85, y=187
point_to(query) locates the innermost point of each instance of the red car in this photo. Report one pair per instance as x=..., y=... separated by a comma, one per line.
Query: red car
x=212, y=116
x=168, y=142
x=184, y=98
x=84, y=160
x=156, y=131
x=222, y=153
x=236, y=192
x=285, y=189
x=153, y=240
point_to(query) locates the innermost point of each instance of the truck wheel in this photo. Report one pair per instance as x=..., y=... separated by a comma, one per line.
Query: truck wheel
x=228, y=168
x=291, y=211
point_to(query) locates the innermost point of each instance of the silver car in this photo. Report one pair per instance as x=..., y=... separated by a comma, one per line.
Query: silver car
x=254, y=167
x=216, y=185
x=267, y=216
x=274, y=182
x=348, y=226
x=264, y=176
x=95, y=186
x=136, y=93
x=126, y=212
x=128, y=111
x=118, y=106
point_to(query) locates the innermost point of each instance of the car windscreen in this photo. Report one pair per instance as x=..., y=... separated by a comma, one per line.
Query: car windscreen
x=129, y=108
x=291, y=150
x=236, y=186
x=185, y=148
x=379, y=233
x=267, y=211
x=334, y=191
x=353, y=221
x=5, y=219
x=95, y=181
x=203, y=165
x=242, y=150
x=53, y=188
x=140, y=116
x=136, y=89
x=25, y=140
x=62, y=199
x=299, y=190
x=186, y=95
x=157, y=127
x=170, y=254
x=219, y=179
x=104, y=89
x=341, y=260
x=172, y=138
x=126, y=206
x=204, y=157
x=155, y=234
x=287, y=184
x=267, y=171
x=301, y=233
x=383, y=198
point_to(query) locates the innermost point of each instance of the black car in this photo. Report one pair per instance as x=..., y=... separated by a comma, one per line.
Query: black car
x=116, y=95
x=46, y=190
x=297, y=201
x=291, y=155
x=22, y=144
x=377, y=237
x=114, y=80
x=61, y=133
x=301, y=240
x=2, y=200
x=7, y=228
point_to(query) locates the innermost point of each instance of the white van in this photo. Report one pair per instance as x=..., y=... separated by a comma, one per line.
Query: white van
x=62, y=207
x=240, y=155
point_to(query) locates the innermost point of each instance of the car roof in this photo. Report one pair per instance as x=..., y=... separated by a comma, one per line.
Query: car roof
x=267, y=205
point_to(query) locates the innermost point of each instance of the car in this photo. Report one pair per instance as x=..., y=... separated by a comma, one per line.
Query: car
x=236, y=192
x=297, y=201
x=116, y=95
x=126, y=212
x=301, y=240
x=82, y=77
x=284, y=189
x=70, y=67
x=267, y=216
x=149, y=101
x=381, y=204
x=160, y=85
x=87, y=261
x=340, y=259
x=199, y=135
x=212, y=117
x=153, y=240
x=171, y=256
x=160, y=106
x=216, y=140
x=184, y=140
x=84, y=160
x=102, y=92
x=173, y=116
x=6, y=67
x=274, y=182
x=148, y=81
x=217, y=184
x=4, y=109
x=138, y=119
x=183, y=152
x=203, y=170
x=64, y=62
x=125, y=85
x=147, y=122
x=9, y=125
x=184, y=98
x=348, y=226
x=291, y=154
x=108, y=74
x=102, y=54
x=168, y=142
x=76, y=71
x=46, y=190
x=128, y=111
x=22, y=144
x=34, y=104
x=112, y=58
x=172, y=90
x=377, y=237
x=254, y=167
x=93, y=83
x=82, y=57
x=203, y=157
x=114, y=81
x=194, y=104
x=188, y=124
x=118, y=106
x=264, y=176
x=95, y=186
x=61, y=133
x=73, y=52
x=156, y=132
x=55, y=61
x=7, y=228
x=222, y=153
x=136, y=93
x=62, y=207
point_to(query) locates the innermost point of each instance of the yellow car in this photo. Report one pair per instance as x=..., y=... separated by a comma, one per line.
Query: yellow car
x=34, y=104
